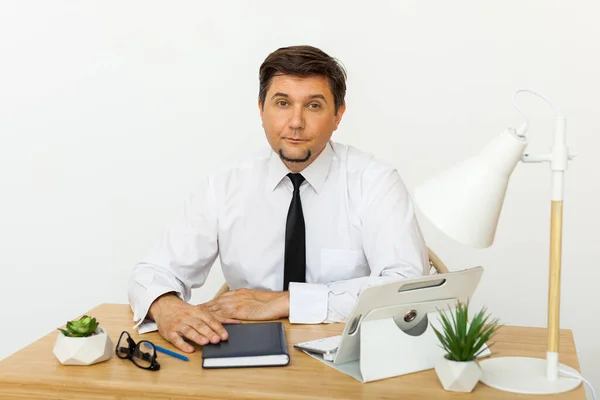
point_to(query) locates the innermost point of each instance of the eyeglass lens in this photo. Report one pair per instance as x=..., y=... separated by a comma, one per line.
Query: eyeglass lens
x=124, y=345
x=141, y=354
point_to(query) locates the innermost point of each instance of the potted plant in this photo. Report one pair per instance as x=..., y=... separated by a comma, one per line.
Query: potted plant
x=463, y=342
x=83, y=342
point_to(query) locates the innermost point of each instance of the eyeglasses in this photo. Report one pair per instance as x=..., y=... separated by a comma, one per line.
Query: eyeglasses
x=144, y=356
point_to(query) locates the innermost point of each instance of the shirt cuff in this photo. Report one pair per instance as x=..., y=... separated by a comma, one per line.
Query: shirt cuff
x=141, y=311
x=145, y=326
x=308, y=303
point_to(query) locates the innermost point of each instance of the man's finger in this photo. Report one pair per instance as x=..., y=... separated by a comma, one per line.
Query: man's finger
x=216, y=326
x=205, y=330
x=226, y=320
x=193, y=335
x=227, y=311
x=222, y=314
x=216, y=305
x=221, y=306
x=178, y=342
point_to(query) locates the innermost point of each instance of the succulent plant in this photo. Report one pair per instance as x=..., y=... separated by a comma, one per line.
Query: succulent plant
x=83, y=327
x=463, y=341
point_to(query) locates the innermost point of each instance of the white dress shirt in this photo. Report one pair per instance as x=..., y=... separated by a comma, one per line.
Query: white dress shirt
x=361, y=230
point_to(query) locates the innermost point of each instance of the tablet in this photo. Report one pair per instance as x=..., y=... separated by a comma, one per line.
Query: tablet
x=433, y=292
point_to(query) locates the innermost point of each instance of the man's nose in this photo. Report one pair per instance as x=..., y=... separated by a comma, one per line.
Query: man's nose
x=297, y=118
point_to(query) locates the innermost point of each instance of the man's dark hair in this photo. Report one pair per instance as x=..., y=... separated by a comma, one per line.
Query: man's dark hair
x=303, y=61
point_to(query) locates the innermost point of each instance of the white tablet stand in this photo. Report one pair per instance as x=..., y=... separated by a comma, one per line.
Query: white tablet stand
x=386, y=350
x=389, y=332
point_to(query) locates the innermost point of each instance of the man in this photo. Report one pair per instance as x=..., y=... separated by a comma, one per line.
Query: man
x=300, y=229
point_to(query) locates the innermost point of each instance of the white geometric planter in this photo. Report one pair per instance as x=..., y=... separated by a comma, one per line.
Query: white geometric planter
x=458, y=376
x=83, y=350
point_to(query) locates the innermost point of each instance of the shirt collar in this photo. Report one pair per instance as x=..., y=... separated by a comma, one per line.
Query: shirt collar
x=315, y=174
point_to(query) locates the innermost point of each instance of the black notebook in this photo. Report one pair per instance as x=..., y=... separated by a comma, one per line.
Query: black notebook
x=249, y=345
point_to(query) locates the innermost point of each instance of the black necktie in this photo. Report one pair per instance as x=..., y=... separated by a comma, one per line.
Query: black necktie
x=294, y=269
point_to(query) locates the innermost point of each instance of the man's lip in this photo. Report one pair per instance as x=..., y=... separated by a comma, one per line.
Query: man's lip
x=296, y=140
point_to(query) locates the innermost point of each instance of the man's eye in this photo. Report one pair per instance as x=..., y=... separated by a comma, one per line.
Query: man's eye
x=314, y=105
x=282, y=103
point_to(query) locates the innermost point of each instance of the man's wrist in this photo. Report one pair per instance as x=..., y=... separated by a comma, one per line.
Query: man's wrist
x=161, y=303
x=284, y=304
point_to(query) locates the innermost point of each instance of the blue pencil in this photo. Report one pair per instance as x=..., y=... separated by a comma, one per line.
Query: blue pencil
x=168, y=352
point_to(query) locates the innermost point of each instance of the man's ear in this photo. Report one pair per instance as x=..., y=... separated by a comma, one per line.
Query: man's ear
x=339, y=115
x=260, y=108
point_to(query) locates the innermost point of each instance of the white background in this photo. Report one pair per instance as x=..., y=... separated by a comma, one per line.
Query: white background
x=110, y=111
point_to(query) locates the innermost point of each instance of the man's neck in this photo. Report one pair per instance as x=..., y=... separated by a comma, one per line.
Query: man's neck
x=301, y=166
x=296, y=166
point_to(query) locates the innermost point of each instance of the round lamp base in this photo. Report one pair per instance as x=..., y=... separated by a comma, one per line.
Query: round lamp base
x=525, y=375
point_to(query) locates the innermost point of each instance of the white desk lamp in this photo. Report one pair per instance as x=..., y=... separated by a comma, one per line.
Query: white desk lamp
x=465, y=202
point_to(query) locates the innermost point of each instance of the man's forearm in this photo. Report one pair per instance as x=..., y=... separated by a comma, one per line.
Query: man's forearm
x=250, y=304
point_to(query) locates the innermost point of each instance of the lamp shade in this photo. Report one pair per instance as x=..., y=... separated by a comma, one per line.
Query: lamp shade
x=465, y=201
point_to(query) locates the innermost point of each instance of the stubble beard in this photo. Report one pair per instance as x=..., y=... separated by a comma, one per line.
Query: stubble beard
x=295, y=160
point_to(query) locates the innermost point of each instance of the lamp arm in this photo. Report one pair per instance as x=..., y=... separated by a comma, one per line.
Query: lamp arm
x=560, y=152
x=545, y=157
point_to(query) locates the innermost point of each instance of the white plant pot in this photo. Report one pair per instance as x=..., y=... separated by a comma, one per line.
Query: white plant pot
x=458, y=376
x=83, y=350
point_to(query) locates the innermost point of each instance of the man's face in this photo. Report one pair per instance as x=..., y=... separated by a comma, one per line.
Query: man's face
x=299, y=118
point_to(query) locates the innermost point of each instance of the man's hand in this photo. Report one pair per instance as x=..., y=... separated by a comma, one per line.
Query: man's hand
x=177, y=319
x=248, y=304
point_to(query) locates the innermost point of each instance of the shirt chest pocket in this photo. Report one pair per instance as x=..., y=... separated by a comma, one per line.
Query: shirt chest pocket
x=342, y=264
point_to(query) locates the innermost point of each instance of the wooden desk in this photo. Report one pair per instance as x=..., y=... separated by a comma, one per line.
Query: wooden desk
x=34, y=372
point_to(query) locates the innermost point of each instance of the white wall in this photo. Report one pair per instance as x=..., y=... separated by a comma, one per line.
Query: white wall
x=110, y=111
